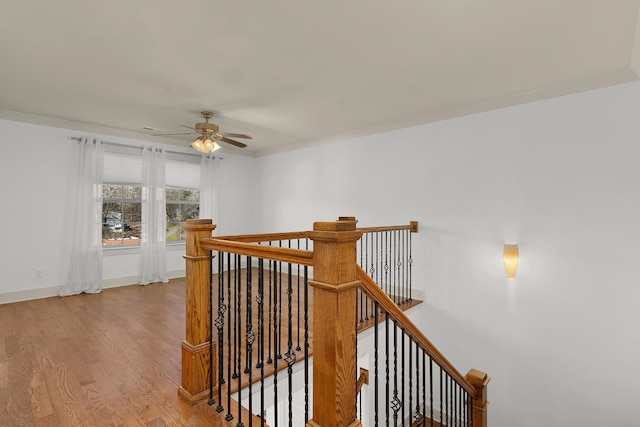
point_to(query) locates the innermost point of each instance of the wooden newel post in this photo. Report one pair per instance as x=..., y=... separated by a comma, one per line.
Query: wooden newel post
x=334, y=319
x=195, y=347
x=479, y=381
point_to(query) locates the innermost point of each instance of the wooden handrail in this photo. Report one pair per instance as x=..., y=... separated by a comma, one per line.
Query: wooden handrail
x=266, y=237
x=374, y=292
x=412, y=226
x=275, y=253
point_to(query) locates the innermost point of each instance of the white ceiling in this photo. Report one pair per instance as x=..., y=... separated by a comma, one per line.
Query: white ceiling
x=295, y=73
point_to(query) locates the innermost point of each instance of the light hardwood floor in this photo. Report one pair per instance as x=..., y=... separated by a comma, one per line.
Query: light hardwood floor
x=111, y=359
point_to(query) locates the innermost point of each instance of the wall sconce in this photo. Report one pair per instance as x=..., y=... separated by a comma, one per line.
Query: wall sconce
x=510, y=256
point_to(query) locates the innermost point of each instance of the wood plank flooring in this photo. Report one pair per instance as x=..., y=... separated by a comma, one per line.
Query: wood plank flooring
x=110, y=359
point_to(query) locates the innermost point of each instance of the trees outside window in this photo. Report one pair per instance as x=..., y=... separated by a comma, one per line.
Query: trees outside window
x=121, y=214
x=182, y=204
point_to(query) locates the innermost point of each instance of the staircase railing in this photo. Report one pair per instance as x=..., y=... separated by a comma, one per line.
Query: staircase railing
x=421, y=387
x=245, y=323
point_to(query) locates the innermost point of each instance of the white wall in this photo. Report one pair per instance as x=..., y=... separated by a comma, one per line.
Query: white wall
x=37, y=165
x=558, y=177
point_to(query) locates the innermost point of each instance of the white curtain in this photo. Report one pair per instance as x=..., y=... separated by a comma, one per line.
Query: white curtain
x=209, y=187
x=153, y=252
x=85, y=269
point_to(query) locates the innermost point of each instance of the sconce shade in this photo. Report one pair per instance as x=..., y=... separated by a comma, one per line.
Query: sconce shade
x=510, y=257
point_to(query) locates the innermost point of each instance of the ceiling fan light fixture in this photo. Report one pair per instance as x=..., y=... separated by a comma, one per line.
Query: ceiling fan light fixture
x=210, y=145
x=205, y=145
x=198, y=145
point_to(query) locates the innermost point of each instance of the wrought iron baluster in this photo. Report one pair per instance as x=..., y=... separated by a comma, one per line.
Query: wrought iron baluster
x=410, y=266
x=388, y=395
x=236, y=316
x=279, y=337
x=271, y=295
x=249, y=314
x=239, y=360
x=220, y=325
x=410, y=378
x=276, y=335
x=441, y=396
x=431, y=391
x=260, y=364
x=290, y=356
x=210, y=334
x=375, y=363
x=386, y=263
x=402, y=375
x=306, y=343
x=298, y=348
x=418, y=414
x=230, y=337
x=250, y=338
x=396, y=403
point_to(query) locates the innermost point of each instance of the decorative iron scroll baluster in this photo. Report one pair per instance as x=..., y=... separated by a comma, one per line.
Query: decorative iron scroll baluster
x=395, y=401
x=250, y=336
x=388, y=395
x=210, y=333
x=239, y=361
x=249, y=319
x=236, y=315
x=229, y=415
x=220, y=325
x=402, y=375
x=290, y=355
x=239, y=317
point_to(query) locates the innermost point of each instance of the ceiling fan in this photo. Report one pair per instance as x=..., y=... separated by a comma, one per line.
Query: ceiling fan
x=208, y=134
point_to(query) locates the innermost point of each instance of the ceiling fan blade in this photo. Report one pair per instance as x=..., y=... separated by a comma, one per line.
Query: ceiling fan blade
x=188, y=127
x=174, y=134
x=236, y=135
x=233, y=142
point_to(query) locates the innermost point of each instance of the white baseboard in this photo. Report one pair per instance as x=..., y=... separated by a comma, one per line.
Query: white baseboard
x=31, y=294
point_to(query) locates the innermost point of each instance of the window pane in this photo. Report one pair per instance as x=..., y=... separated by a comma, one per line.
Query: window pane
x=190, y=195
x=172, y=194
x=173, y=212
x=189, y=211
x=110, y=191
x=131, y=224
x=131, y=192
x=111, y=222
x=173, y=231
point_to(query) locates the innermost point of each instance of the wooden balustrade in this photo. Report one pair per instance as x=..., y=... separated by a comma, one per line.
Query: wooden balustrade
x=336, y=276
x=197, y=346
x=334, y=335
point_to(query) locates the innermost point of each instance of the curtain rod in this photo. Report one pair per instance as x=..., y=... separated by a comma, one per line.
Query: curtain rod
x=119, y=144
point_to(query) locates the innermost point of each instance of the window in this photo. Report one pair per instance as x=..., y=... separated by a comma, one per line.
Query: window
x=121, y=214
x=122, y=195
x=182, y=204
